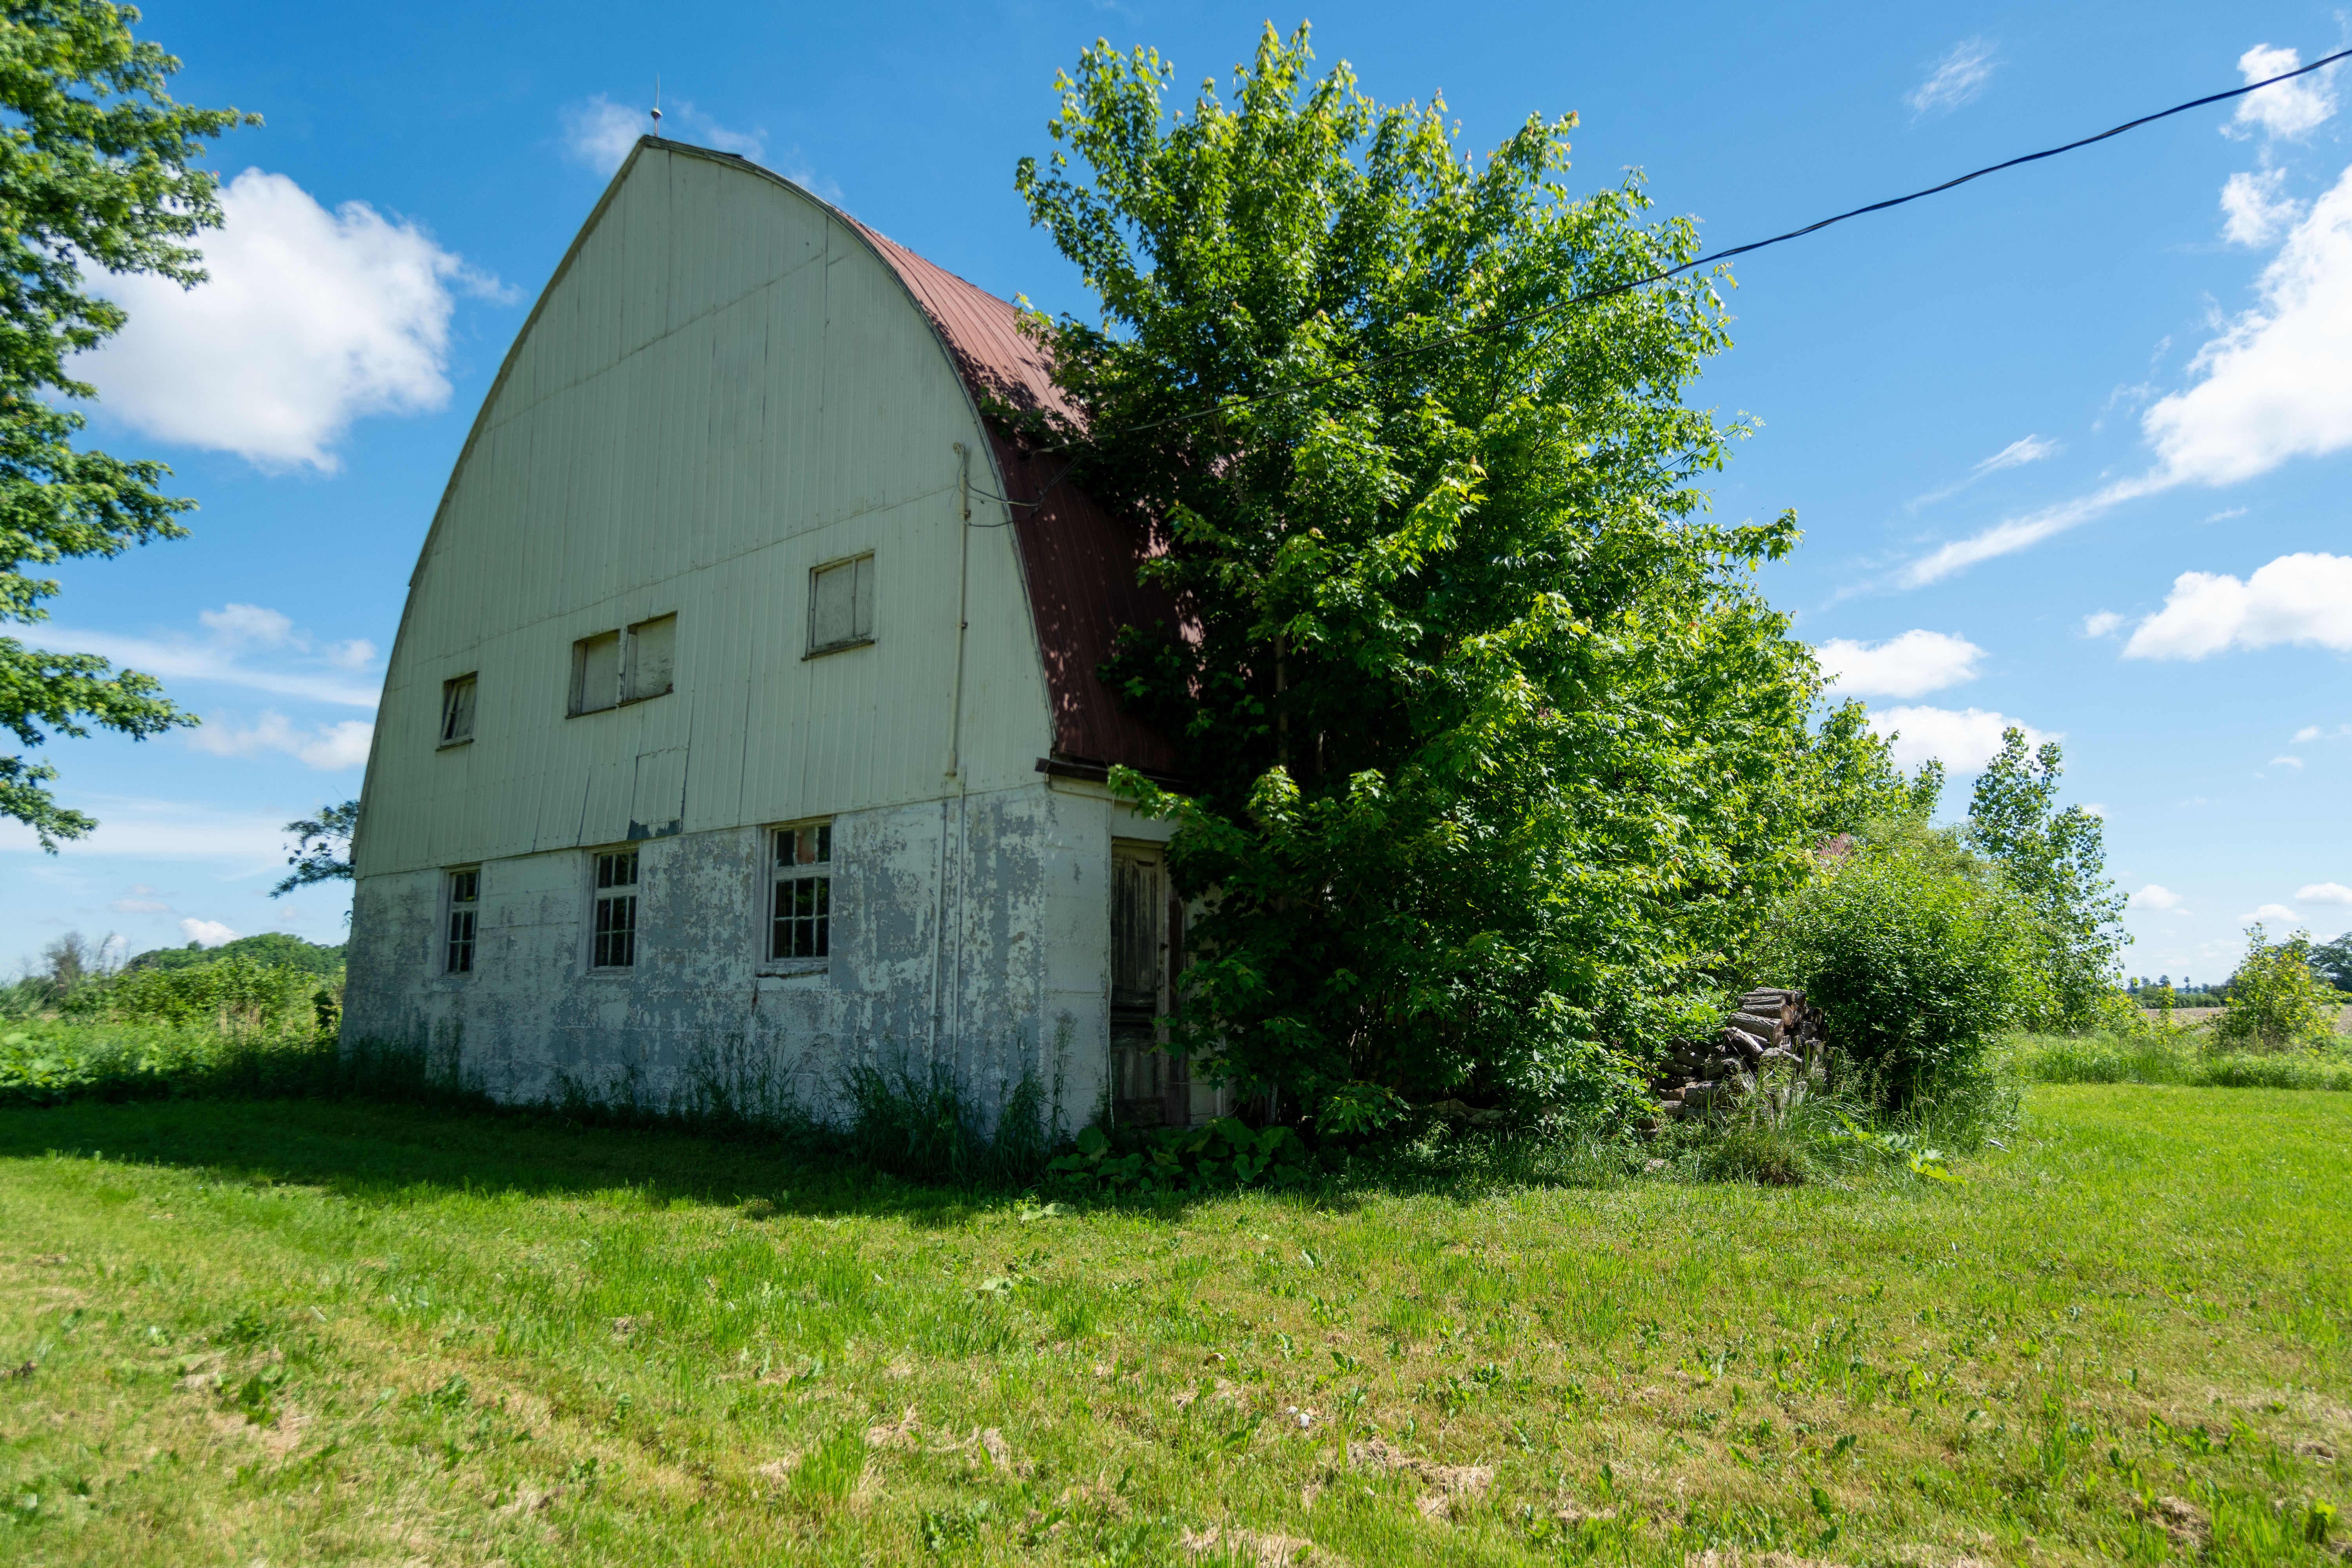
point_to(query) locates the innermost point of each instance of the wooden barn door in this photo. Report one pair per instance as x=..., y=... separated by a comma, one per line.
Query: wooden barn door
x=1148, y=1086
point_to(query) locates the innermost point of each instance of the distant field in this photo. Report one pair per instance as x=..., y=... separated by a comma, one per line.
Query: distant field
x=303, y=1332
x=2195, y=1016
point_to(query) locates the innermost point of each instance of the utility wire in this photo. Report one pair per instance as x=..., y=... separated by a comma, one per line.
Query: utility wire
x=1626, y=288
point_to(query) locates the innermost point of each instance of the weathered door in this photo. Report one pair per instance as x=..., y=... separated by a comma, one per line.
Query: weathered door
x=1148, y=1086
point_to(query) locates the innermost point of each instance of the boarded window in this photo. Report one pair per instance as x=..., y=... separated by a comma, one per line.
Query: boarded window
x=614, y=944
x=465, y=899
x=457, y=710
x=596, y=672
x=800, y=926
x=841, y=604
x=653, y=653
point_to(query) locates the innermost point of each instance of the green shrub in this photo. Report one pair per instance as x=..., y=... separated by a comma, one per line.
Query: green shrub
x=236, y=996
x=2276, y=1001
x=1920, y=953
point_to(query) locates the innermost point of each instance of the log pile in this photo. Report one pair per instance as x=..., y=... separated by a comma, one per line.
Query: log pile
x=1772, y=1030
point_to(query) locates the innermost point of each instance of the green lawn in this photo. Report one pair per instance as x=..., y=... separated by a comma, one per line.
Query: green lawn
x=302, y=1332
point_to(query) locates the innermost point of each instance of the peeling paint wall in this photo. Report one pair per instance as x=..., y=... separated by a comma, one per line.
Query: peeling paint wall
x=967, y=933
x=723, y=388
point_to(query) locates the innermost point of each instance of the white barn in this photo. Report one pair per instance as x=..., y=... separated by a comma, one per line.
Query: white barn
x=741, y=724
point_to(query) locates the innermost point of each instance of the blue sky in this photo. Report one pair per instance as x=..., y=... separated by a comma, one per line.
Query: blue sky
x=2072, y=446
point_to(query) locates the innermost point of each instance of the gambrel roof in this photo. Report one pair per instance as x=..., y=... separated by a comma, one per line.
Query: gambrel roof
x=1079, y=559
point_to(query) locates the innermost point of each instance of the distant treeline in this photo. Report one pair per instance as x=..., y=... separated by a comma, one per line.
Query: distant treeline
x=269, y=947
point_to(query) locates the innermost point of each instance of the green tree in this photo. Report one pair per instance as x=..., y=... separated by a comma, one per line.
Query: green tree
x=1494, y=750
x=2275, y=998
x=322, y=847
x=2332, y=962
x=2057, y=859
x=1921, y=952
x=96, y=175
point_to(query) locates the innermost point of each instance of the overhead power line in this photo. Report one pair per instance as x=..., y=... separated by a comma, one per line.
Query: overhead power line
x=1613, y=290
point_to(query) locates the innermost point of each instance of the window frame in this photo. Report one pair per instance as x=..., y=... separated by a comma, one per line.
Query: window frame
x=777, y=874
x=453, y=907
x=578, y=707
x=600, y=893
x=470, y=684
x=862, y=565
x=629, y=655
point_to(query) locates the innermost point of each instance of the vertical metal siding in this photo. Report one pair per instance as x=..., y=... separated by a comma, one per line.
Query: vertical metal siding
x=724, y=388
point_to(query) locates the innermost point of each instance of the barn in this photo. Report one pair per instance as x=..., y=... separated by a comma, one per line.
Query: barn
x=742, y=725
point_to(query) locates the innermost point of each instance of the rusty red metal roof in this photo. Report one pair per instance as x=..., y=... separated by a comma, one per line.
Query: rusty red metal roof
x=1078, y=559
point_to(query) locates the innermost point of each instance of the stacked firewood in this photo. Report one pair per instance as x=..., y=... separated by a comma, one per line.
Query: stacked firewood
x=1771, y=1029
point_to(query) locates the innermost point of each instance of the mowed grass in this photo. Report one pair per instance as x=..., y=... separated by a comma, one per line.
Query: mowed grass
x=309, y=1332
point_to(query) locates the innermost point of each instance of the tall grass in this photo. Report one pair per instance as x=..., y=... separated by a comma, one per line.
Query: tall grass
x=2177, y=1057
x=52, y=1061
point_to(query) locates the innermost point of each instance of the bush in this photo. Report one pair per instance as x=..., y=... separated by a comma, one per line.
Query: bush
x=2276, y=1002
x=236, y=996
x=1920, y=953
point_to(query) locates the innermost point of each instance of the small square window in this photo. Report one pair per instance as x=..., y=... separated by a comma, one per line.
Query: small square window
x=457, y=710
x=616, y=931
x=841, y=604
x=652, y=658
x=465, y=899
x=596, y=673
x=801, y=924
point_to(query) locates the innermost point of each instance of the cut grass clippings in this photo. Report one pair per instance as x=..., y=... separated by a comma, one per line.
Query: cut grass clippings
x=319, y=1333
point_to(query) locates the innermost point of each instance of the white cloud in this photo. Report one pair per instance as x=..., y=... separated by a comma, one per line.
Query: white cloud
x=309, y=319
x=133, y=826
x=248, y=624
x=2286, y=762
x=1959, y=78
x=236, y=632
x=139, y=907
x=2303, y=598
x=2291, y=109
x=1963, y=741
x=2256, y=209
x=2156, y=896
x=2325, y=893
x=2271, y=912
x=2273, y=386
x=2308, y=732
x=2025, y=449
x=211, y=933
x=2270, y=387
x=1911, y=665
x=2100, y=622
x=599, y=132
x=328, y=747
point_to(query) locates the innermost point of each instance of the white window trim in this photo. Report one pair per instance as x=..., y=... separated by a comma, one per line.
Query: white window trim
x=763, y=937
x=871, y=636
x=588, y=965
x=444, y=742
x=450, y=908
x=623, y=662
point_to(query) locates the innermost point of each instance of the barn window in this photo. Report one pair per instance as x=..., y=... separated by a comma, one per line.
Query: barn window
x=801, y=924
x=652, y=655
x=616, y=939
x=596, y=673
x=457, y=710
x=841, y=604
x=465, y=898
